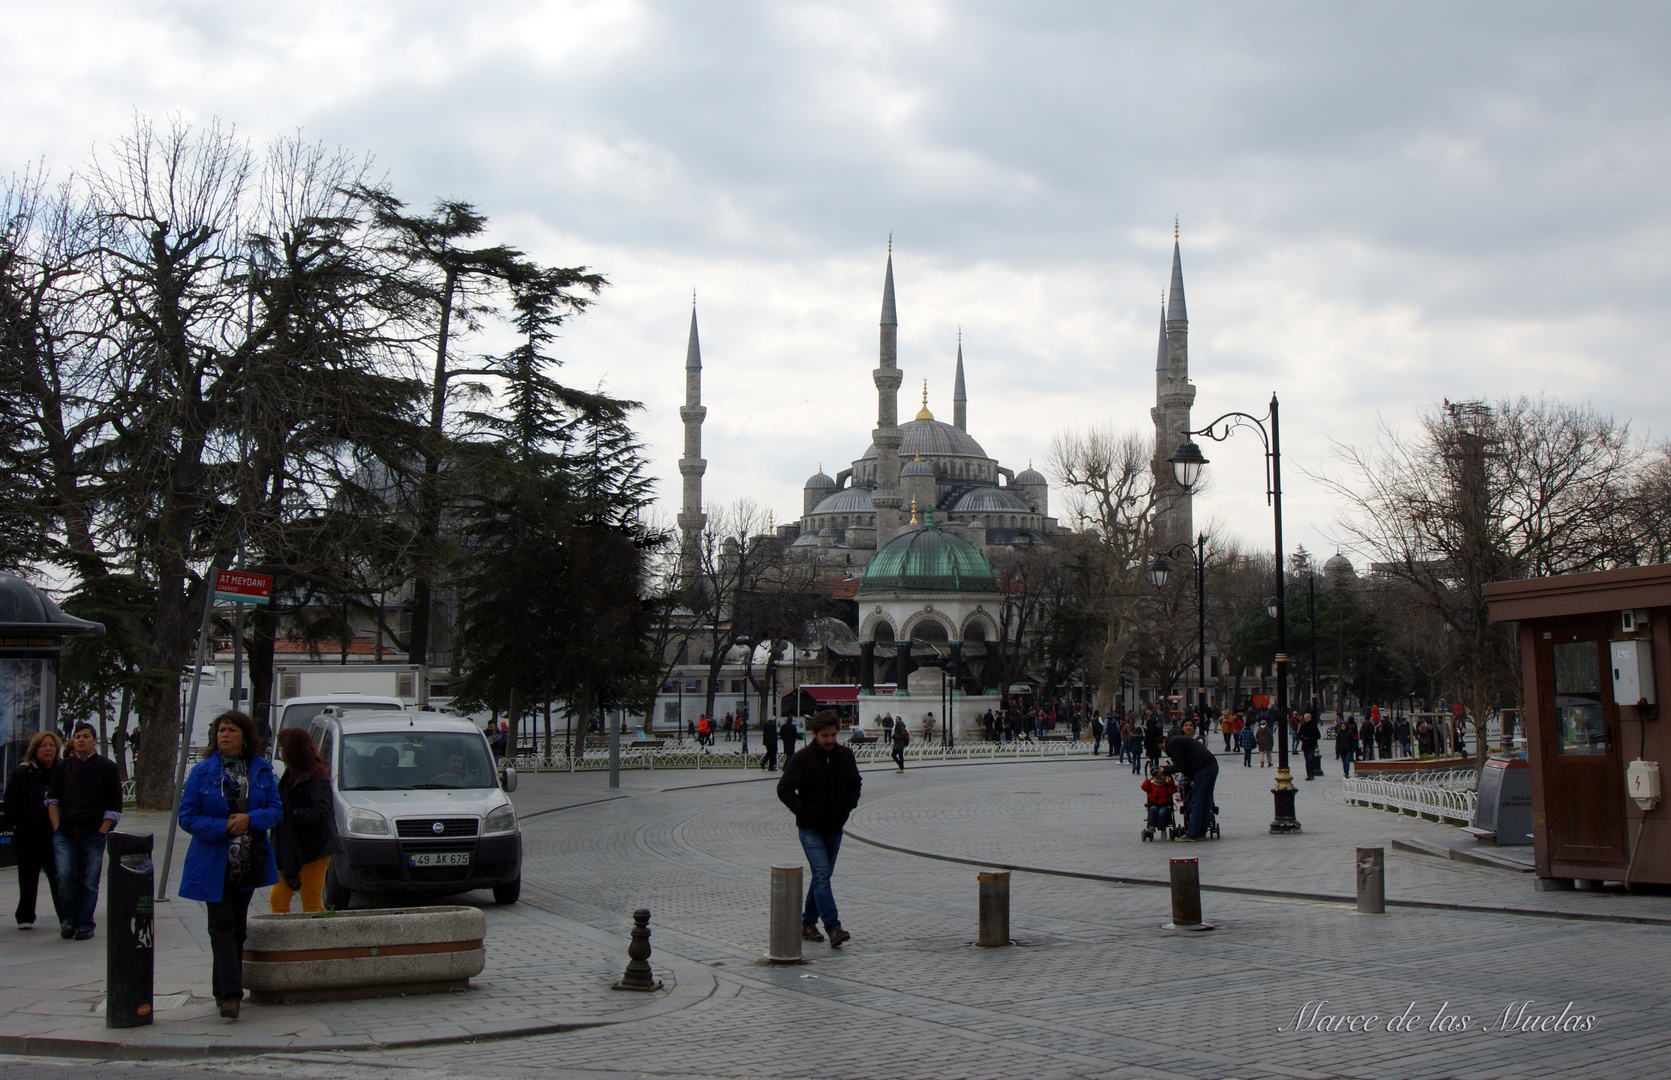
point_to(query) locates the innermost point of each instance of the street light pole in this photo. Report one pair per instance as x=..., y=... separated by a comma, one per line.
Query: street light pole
x=1187, y=463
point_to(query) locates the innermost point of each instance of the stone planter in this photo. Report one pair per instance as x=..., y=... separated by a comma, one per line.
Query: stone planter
x=329, y=955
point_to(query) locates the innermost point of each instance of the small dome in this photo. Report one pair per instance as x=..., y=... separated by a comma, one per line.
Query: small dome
x=819, y=480
x=928, y=559
x=1028, y=478
x=846, y=501
x=917, y=468
x=1339, y=564
x=991, y=501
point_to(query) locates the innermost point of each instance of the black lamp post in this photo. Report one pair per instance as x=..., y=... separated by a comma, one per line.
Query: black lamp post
x=1159, y=571
x=1187, y=463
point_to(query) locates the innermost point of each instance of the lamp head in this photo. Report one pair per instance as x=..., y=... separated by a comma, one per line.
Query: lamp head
x=1271, y=606
x=1187, y=463
x=1159, y=571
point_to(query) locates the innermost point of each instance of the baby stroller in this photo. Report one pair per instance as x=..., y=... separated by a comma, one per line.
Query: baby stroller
x=1185, y=785
x=1159, y=818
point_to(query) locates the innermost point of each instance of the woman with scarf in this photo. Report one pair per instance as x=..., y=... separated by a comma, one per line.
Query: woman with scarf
x=32, y=828
x=229, y=804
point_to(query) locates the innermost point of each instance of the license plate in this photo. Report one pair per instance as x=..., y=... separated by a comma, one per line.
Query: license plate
x=446, y=858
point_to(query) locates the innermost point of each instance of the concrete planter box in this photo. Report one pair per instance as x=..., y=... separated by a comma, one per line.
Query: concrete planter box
x=329, y=955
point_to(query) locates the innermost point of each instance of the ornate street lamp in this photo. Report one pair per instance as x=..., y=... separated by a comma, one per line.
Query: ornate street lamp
x=1187, y=464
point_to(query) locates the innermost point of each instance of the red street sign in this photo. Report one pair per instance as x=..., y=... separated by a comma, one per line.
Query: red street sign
x=242, y=587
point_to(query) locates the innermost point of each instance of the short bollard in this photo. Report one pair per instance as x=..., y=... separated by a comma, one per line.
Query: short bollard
x=130, y=955
x=1186, y=896
x=995, y=909
x=1372, y=881
x=784, y=946
x=638, y=975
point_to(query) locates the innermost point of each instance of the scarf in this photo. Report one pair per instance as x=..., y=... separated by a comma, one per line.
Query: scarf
x=235, y=788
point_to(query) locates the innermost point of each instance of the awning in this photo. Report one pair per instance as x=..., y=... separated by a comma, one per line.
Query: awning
x=838, y=694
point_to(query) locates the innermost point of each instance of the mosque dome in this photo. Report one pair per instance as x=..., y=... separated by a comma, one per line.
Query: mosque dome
x=927, y=558
x=991, y=501
x=853, y=500
x=819, y=480
x=931, y=439
x=1027, y=477
x=1340, y=565
x=917, y=468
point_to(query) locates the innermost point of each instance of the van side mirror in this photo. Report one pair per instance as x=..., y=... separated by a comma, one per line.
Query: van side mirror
x=507, y=779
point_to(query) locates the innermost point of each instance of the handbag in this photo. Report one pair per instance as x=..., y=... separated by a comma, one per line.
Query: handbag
x=255, y=871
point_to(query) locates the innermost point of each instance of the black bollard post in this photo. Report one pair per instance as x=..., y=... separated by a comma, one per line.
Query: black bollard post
x=1372, y=881
x=638, y=975
x=783, y=943
x=1186, y=896
x=995, y=909
x=129, y=935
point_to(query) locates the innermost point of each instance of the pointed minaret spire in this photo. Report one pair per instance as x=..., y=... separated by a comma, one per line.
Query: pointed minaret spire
x=1160, y=357
x=885, y=497
x=691, y=465
x=1175, y=300
x=960, y=396
x=1174, y=395
x=889, y=316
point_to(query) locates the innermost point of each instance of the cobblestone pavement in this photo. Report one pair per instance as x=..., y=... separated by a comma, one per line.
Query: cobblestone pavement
x=1094, y=987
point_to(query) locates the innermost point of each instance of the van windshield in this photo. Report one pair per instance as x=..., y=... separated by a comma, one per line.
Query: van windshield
x=414, y=761
x=302, y=715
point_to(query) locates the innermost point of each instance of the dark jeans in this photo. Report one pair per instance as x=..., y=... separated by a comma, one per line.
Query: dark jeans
x=228, y=922
x=1135, y=749
x=1201, y=799
x=1346, y=763
x=1228, y=735
x=899, y=754
x=1312, y=766
x=79, y=862
x=821, y=849
x=30, y=866
x=771, y=756
x=1247, y=756
x=1096, y=743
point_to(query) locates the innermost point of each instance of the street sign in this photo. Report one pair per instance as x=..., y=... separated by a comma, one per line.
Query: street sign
x=242, y=587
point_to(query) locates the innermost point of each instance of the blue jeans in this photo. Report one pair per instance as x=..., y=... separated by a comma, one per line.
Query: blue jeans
x=821, y=849
x=79, y=864
x=1201, y=799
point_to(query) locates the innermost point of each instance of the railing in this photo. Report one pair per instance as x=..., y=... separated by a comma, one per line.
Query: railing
x=1447, y=796
x=686, y=755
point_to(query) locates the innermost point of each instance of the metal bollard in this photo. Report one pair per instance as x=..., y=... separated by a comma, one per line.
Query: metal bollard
x=995, y=909
x=1186, y=896
x=785, y=941
x=130, y=958
x=638, y=975
x=1372, y=881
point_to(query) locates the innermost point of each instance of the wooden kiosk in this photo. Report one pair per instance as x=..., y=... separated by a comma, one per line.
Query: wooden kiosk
x=1596, y=654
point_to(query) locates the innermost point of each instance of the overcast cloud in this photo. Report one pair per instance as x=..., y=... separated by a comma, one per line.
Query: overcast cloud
x=1381, y=205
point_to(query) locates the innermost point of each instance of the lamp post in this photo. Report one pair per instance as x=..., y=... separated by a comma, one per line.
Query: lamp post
x=1187, y=463
x=1159, y=571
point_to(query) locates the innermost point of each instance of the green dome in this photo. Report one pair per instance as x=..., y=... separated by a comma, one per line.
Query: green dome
x=926, y=558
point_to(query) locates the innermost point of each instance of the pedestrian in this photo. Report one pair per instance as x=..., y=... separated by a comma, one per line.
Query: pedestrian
x=229, y=804
x=1366, y=740
x=1310, y=736
x=1346, y=744
x=306, y=835
x=690, y=728
x=703, y=728
x=820, y=786
x=83, y=803
x=1248, y=742
x=1227, y=728
x=1383, y=738
x=1152, y=741
x=1263, y=739
x=1196, y=762
x=768, y=736
x=789, y=734
x=1073, y=725
x=901, y=739
x=26, y=791
x=1096, y=736
x=928, y=727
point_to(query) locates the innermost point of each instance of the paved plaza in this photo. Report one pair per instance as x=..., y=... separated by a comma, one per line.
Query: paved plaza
x=1093, y=988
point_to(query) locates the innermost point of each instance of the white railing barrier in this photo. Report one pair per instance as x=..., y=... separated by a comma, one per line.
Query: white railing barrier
x=1447, y=796
x=686, y=755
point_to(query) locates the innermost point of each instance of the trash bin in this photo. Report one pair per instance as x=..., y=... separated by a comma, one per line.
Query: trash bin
x=130, y=956
x=1503, y=809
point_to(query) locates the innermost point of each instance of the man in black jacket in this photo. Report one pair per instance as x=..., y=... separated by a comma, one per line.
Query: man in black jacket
x=790, y=735
x=768, y=736
x=820, y=785
x=84, y=802
x=1195, y=761
x=1310, y=736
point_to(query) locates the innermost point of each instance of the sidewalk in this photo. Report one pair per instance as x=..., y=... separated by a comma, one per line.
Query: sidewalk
x=544, y=974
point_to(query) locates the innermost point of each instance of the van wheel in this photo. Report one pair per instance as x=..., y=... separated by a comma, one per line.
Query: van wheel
x=337, y=896
x=508, y=892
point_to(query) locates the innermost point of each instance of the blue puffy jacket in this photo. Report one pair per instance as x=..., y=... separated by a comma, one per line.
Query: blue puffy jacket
x=203, y=814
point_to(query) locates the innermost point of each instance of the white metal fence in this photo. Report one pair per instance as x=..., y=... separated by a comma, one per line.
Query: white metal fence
x=1446, y=796
x=686, y=755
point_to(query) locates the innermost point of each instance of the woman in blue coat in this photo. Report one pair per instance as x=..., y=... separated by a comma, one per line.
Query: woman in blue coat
x=230, y=802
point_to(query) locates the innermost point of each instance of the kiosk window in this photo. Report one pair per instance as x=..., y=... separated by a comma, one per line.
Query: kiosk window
x=1578, y=715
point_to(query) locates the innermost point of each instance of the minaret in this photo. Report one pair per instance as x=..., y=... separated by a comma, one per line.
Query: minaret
x=1173, y=398
x=885, y=498
x=691, y=466
x=960, y=396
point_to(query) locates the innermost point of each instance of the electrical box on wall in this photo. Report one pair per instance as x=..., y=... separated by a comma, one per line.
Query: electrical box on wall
x=1642, y=782
x=1634, y=622
x=1633, y=672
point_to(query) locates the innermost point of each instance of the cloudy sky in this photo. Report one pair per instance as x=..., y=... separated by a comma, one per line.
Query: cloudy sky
x=1381, y=205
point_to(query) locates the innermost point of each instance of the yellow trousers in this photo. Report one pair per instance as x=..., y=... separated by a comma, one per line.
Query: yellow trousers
x=313, y=885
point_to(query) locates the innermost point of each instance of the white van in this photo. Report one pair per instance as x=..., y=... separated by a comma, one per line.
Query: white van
x=420, y=809
x=300, y=711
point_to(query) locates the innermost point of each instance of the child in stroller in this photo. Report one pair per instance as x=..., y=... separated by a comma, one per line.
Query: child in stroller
x=1159, y=791
x=1184, y=786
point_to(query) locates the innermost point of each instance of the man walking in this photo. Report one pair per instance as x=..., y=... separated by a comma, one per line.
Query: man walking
x=789, y=734
x=768, y=736
x=1310, y=736
x=820, y=786
x=901, y=739
x=1096, y=735
x=1196, y=762
x=83, y=802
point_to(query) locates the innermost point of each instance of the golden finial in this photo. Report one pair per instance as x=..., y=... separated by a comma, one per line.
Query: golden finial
x=890, y=241
x=693, y=296
x=923, y=413
x=914, y=520
x=1174, y=228
x=769, y=528
x=1029, y=464
x=820, y=468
